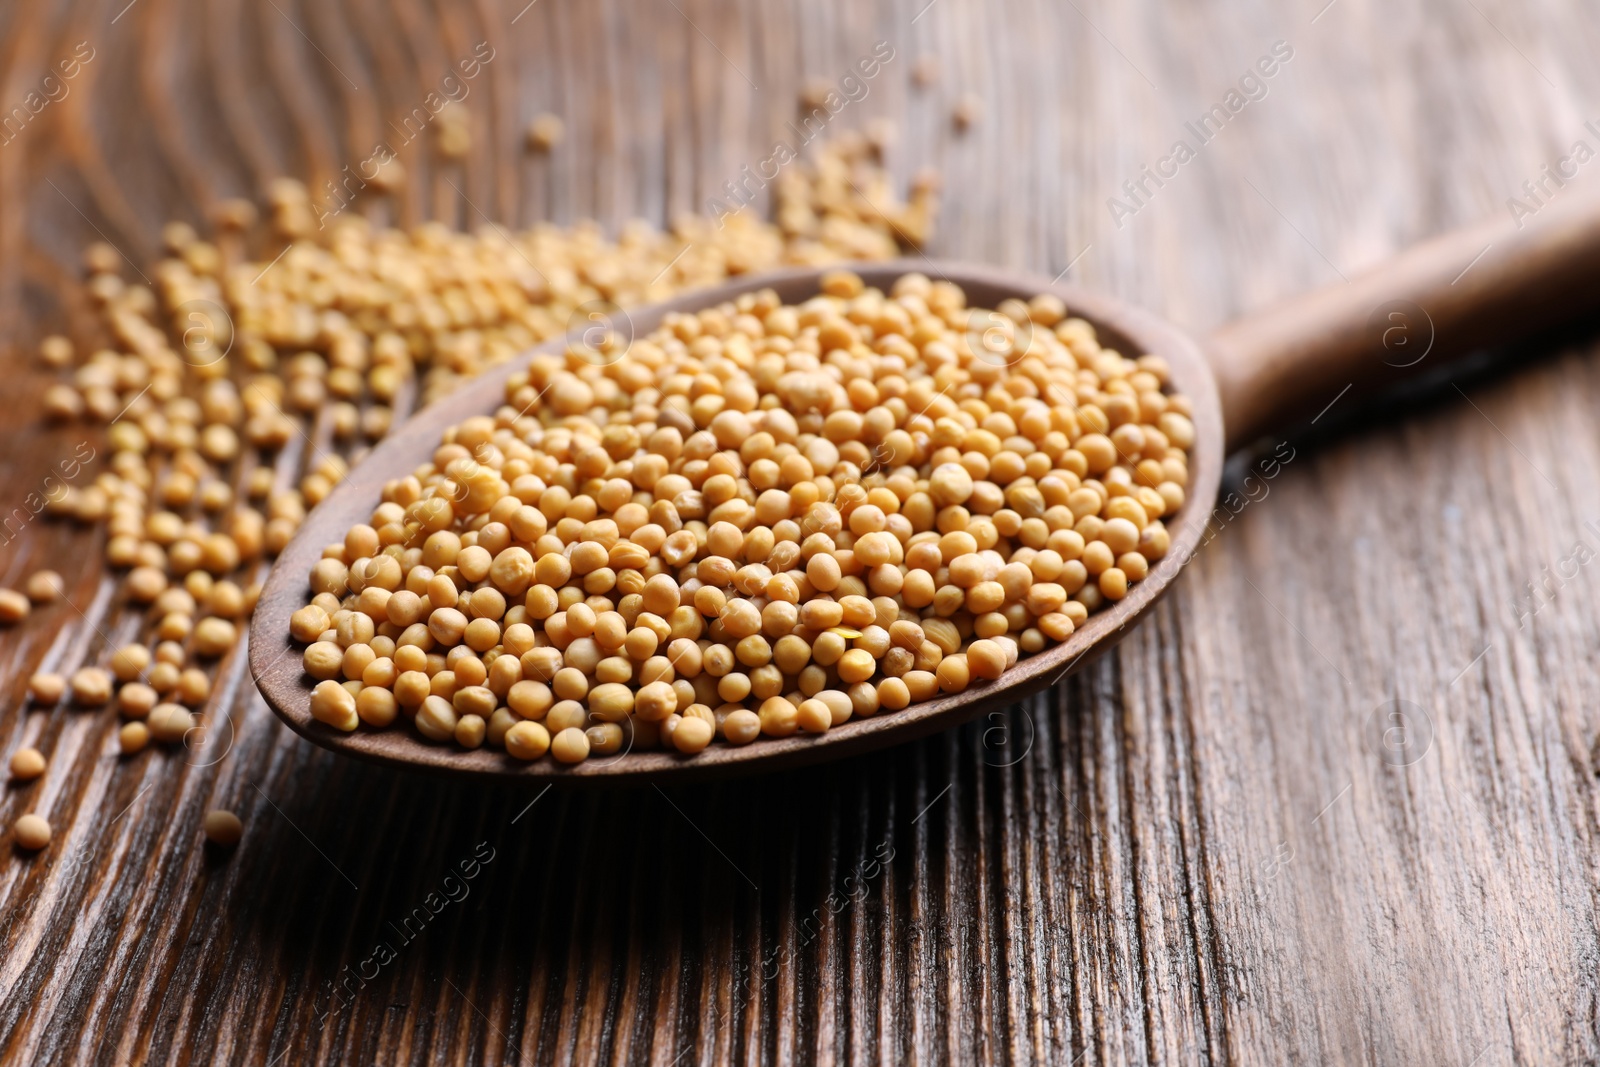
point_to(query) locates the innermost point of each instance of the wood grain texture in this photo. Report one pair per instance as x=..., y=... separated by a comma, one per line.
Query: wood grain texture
x=1202, y=849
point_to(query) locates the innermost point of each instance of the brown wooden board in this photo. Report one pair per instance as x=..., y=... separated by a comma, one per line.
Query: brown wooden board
x=1203, y=848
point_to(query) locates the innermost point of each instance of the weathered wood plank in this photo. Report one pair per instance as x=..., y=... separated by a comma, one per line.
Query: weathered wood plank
x=1199, y=850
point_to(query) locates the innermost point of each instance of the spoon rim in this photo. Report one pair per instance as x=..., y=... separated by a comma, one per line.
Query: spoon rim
x=275, y=659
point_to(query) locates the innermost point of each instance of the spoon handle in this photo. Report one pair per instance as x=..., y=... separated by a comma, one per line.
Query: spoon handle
x=1452, y=295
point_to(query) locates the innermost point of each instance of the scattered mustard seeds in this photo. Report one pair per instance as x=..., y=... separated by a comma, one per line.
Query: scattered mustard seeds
x=760, y=520
x=219, y=360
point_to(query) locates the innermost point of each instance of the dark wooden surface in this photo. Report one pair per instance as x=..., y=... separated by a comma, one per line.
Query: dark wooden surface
x=1202, y=849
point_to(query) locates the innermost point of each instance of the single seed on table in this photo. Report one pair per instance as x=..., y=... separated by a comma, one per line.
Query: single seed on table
x=27, y=764
x=14, y=606
x=45, y=587
x=223, y=828
x=570, y=745
x=214, y=636
x=133, y=737
x=46, y=687
x=545, y=131
x=735, y=543
x=31, y=832
x=129, y=662
x=968, y=110
x=193, y=687
x=170, y=723
x=91, y=687
x=814, y=94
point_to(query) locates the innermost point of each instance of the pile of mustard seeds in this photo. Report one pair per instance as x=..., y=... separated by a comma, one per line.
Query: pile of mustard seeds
x=237, y=378
x=759, y=520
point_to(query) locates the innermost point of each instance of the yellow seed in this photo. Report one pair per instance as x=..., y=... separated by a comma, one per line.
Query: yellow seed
x=91, y=687
x=27, y=764
x=170, y=723
x=223, y=828
x=14, y=606
x=570, y=745
x=527, y=740
x=133, y=737
x=436, y=719
x=692, y=735
x=731, y=510
x=31, y=832
x=46, y=688
x=985, y=659
x=814, y=717
x=45, y=587
x=545, y=131
x=129, y=662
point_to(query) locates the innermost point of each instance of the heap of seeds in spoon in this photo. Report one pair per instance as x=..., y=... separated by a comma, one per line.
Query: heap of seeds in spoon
x=239, y=376
x=760, y=520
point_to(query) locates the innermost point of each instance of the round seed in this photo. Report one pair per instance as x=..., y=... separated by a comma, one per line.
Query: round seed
x=133, y=737
x=45, y=586
x=46, y=688
x=14, y=607
x=91, y=687
x=27, y=764
x=570, y=745
x=527, y=740
x=31, y=832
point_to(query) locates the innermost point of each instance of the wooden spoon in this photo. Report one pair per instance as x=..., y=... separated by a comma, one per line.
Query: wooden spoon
x=1460, y=293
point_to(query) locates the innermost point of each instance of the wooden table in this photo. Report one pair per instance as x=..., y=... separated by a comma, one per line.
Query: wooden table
x=1207, y=847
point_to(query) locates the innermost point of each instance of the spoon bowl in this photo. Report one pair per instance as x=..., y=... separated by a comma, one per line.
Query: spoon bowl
x=1441, y=300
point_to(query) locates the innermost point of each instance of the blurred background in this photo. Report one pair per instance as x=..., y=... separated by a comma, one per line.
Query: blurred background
x=1200, y=849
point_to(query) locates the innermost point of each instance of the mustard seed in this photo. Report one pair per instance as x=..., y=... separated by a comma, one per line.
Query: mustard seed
x=223, y=828
x=546, y=131
x=45, y=586
x=46, y=688
x=571, y=745
x=829, y=511
x=31, y=832
x=129, y=662
x=170, y=723
x=527, y=740
x=133, y=737
x=14, y=607
x=692, y=735
x=214, y=636
x=332, y=704
x=91, y=687
x=27, y=764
